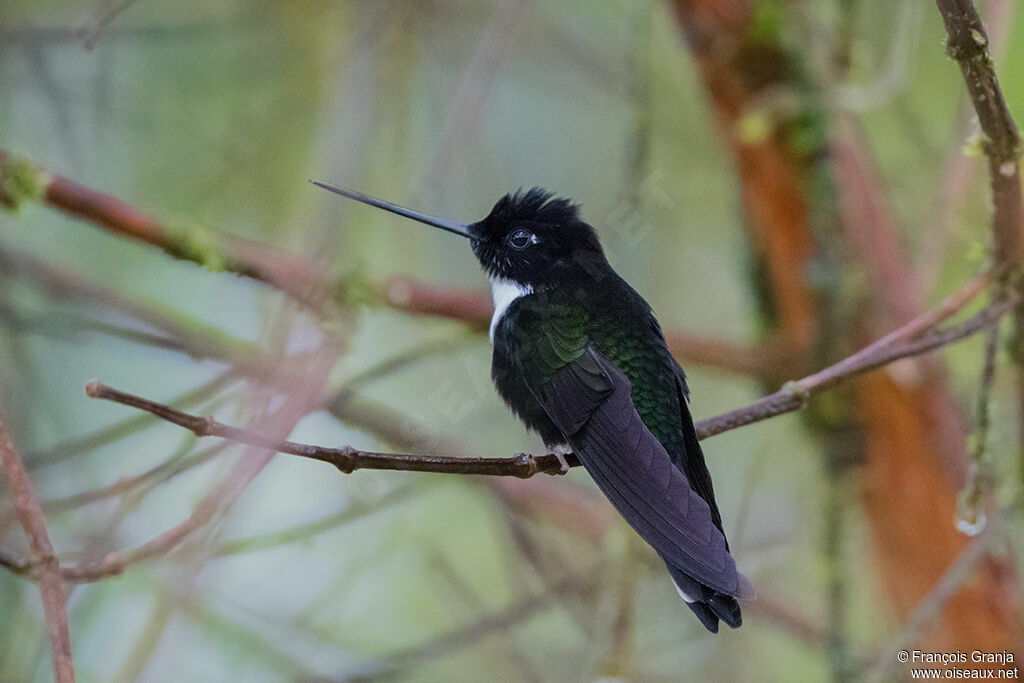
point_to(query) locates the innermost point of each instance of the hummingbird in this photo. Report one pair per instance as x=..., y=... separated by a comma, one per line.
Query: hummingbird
x=579, y=358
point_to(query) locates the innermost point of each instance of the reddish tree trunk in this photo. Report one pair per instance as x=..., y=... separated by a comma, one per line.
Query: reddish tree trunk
x=909, y=488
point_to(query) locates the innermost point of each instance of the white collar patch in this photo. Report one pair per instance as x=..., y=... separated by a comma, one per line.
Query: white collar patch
x=504, y=292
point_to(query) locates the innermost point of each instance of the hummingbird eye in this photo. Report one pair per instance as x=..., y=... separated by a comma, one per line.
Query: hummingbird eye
x=520, y=239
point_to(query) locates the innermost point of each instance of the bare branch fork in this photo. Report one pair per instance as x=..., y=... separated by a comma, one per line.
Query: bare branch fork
x=919, y=336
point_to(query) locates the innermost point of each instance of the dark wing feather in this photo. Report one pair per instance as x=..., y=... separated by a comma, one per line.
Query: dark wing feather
x=589, y=400
x=693, y=464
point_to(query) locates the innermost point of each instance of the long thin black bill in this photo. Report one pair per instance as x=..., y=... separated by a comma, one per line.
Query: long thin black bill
x=444, y=224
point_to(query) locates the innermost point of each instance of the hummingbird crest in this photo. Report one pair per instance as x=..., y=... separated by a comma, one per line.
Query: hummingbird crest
x=536, y=240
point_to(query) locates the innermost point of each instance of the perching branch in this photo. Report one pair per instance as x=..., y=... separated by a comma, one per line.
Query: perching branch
x=345, y=458
x=45, y=561
x=916, y=337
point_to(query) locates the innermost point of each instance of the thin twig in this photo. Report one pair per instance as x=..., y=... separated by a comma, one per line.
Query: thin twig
x=159, y=473
x=930, y=607
x=194, y=337
x=86, y=443
x=557, y=590
x=345, y=458
x=968, y=44
x=292, y=275
x=91, y=33
x=66, y=326
x=468, y=107
x=14, y=565
x=51, y=587
x=960, y=167
x=780, y=612
x=616, y=662
x=351, y=512
x=892, y=347
x=971, y=503
x=791, y=397
x=871, y=226
x=227, y=491
x=988, y=376
x=835, y=521
x=299, y=278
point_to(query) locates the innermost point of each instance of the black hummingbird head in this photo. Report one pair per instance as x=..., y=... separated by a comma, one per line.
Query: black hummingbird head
x=531, y=238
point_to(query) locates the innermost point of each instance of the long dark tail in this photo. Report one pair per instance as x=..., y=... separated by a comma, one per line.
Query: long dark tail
x=709, y=605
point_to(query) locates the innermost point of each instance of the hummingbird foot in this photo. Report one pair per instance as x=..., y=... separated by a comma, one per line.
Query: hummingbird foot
x=560, y=451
